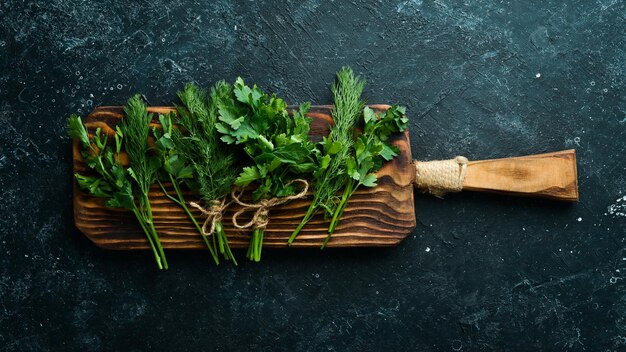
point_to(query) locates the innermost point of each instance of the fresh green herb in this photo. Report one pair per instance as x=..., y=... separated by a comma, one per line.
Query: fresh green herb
x=193, y=154
x=331, y=175
x=122, y=187
x=176, y=172
x=278, y=145
x=371, y=150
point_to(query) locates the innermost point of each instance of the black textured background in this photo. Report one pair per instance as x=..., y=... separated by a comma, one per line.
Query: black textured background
x=480, y=272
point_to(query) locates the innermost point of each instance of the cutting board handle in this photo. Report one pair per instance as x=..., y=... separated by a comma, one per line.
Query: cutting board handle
x=549, y=175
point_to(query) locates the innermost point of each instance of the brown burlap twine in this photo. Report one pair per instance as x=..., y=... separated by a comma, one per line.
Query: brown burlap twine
x=213, y=214
x=260, y=218
x=439, y=177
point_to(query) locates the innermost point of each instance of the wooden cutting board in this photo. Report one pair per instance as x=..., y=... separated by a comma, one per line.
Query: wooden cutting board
x=380, y=216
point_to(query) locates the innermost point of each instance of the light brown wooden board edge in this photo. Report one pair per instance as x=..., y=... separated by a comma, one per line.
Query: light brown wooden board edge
x=380, y=216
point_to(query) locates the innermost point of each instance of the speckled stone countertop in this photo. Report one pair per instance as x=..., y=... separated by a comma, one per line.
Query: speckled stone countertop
x=480, y=272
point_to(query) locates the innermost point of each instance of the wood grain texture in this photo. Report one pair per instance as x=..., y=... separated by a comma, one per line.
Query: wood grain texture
x=380, y=216
x=550, y=175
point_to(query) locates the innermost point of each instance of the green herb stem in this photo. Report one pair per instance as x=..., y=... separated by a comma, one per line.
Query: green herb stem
x=307, y=217
x=155, y=235
x=222, y=240
x=256, y=244
x=260, y=244
x=347, y=194
x=181, y=202
x=142, y=222
x=166, y=193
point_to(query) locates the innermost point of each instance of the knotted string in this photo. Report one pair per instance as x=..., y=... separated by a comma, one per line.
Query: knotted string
x=213, y=214
x=260, y=218
x=440, y=176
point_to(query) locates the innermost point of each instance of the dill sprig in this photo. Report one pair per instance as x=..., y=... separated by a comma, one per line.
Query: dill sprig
x=135, y=127
x=214, y=162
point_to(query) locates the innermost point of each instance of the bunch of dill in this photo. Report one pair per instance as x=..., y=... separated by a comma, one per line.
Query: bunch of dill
x=194, y=155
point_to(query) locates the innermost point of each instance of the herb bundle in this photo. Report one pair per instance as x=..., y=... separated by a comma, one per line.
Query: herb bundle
x=193, y=154
x=346, y=162
x=122, y=187
x=278, y=145
x=335, y=149
x=371, y=150
x=195, y=148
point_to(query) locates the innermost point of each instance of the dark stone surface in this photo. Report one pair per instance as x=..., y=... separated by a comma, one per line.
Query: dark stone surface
x=480, y=272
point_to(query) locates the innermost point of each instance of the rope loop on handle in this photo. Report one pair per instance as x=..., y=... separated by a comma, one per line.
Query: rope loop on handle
x=439, y=177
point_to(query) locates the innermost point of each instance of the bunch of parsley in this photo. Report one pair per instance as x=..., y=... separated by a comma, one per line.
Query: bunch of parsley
x=277, y=144
x=122, y=187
